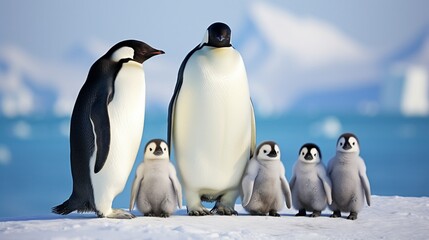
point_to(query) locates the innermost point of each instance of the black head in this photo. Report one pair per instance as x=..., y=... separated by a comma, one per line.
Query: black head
x=132, y=50
x=268, y=150
x=156, y=148
x=218, y=35
x=310, y=152
x=348, y=142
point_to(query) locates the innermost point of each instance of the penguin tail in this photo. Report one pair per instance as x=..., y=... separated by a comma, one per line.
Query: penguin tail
x=71, y=205
x=64, y=208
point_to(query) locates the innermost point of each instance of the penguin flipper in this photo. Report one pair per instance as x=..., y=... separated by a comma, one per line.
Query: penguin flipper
x=176, y=185
x=365, y=182
x=286, y=191
x=285, y=187
x=292, y=181
x=101, y=127
x=249, y=181
x=326, y=181
x=136, y=185
x=171, y=108
x=253, y=127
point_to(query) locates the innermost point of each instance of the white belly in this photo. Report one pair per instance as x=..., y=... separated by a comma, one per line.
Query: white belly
x=126, y=115
x=212, y=124
x=308, y=191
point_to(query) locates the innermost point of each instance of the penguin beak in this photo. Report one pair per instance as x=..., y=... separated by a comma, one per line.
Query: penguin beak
x=347, y=146
x=157, y=52
x=272, y=154
x=308, y=156
x=158, y=151
x=154, y=52
x=141, y=57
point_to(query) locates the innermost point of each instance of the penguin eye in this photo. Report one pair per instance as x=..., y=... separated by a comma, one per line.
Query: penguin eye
x=265, y=151
x=341, y=144
x=303, y=154
x=150, y=149
x=353, y=143
x=277, y=152
x=315, y=154
x=165, y=149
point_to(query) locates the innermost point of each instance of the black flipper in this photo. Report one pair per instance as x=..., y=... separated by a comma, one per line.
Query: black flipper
x=100, y=119
x=91, y=105
x=103, y=76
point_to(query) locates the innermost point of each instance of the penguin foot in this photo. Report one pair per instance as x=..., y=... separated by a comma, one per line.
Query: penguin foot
x=223, y=210
x=164, y=215
x=352, y=216
x=199, y=212
x=316, y=214
x=149, y=214
x=301, y=213
x=120, y=214
x=274, y=213
x=336, y=214
x=257, y=213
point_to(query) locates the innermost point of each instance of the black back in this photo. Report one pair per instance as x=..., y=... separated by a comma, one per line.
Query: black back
x=91, y=105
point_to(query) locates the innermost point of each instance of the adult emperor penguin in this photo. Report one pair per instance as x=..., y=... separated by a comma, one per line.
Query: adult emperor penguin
x=211, y=123
x=310, y=184
x=156, y=187
x=264, y=185
x=350, y=183
x=106, y=129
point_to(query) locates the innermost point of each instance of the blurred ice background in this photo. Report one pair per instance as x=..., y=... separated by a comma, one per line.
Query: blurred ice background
x=315, y=69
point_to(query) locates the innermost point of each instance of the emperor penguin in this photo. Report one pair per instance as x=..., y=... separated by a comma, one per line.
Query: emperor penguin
x=211, y=123
x=156, y=187
x=264, y=185
x=106, y=129
x=310, y=184
x=350, y=184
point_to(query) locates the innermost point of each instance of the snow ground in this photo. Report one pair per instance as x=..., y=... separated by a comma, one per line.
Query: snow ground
x=387, y=218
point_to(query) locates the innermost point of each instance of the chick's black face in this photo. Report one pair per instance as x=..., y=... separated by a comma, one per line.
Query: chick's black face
x=219, y=35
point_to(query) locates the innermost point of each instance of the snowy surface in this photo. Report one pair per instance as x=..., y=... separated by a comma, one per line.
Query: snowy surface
x=387, y=218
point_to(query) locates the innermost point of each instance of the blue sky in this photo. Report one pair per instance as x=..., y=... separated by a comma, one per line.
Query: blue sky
x=54, y=43
x=47, y=27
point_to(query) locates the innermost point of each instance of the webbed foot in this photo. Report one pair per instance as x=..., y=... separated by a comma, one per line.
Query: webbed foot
x=223, y=210
x=316, y=214
x=274, y=213
x=336, y=214
x=257, y=213
x=301, y=213
x=164, y=215
x=149, y=214
x=352, y=216
x=198, y=212
x=119, y=214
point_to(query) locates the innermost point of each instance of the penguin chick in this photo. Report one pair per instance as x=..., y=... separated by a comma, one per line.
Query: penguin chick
x=264, y=184
x=310, y=184
x=156, y=188
x=350, y=183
